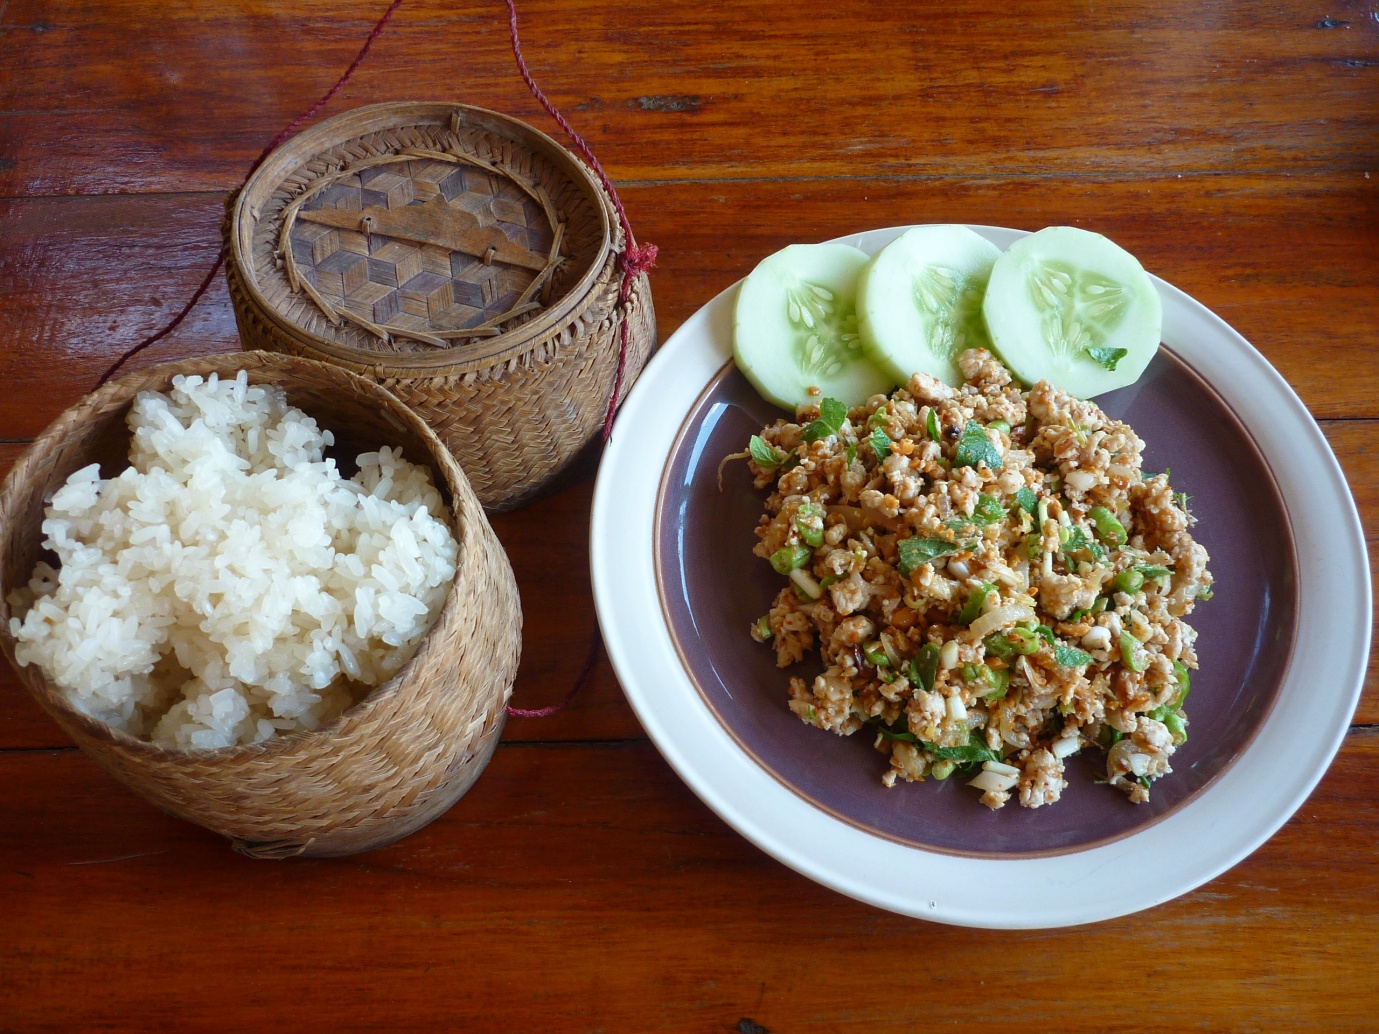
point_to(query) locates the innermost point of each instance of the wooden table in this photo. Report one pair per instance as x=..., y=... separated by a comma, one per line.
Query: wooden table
x=581, y=885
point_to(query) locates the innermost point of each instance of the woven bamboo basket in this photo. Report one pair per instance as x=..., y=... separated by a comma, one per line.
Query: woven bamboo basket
x=462, y=259
x=388, y=765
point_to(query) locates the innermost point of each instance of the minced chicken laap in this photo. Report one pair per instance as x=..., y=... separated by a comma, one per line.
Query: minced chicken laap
x=992, y=581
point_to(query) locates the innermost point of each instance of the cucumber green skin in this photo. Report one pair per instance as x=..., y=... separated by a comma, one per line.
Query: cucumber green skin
x=768, y=345
x=904, y=334
x=1024, y=331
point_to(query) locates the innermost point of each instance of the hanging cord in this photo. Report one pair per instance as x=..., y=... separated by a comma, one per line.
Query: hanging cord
x=287, y=131
x=634, y=260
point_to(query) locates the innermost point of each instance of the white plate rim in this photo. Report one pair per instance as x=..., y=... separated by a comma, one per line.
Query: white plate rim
x=1245, y=806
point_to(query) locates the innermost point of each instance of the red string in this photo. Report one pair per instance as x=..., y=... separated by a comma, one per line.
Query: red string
x=634, y=260
x=287, y=131
x=580, y=679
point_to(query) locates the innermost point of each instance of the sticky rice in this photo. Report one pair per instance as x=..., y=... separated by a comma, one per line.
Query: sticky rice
x=230, y=584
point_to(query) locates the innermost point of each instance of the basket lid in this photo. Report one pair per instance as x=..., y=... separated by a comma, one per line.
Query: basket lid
x=426, y=232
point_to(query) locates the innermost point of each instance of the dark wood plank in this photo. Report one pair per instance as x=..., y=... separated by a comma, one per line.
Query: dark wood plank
x=584, y=887
x=82, y=280
x=559, y=620
x=689, y=90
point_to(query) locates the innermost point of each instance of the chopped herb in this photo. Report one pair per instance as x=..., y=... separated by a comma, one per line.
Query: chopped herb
x=1107, y=357
x=1077, y=542
x=931, y=425
x=1112, y=531
x=972, y=609
x=832, y=413
x=1028, y=501
x=809, y=522
x=764, y=626
x=896, y=731
x=918, y=552
x=1205, y=594
x=879, y=418
x=788, y=558
x=1023, y=641
x=924, y=666
x=766, y=457
x=997, y=645
x=975, y=448
x=968, y=757
x=1071, y=657
x=987, y=511
x=1109, y=737
x=1143, y=781
x=851, y=452
x=999, y=680
x=880, y=443
x=875, y=653
x=1184, y=679
x=1127, y=652
x=1045, y=633
x=1153, y=571
x=1129, y=582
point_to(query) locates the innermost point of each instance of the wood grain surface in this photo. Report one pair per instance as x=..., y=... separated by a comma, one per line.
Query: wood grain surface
x=1233, y=147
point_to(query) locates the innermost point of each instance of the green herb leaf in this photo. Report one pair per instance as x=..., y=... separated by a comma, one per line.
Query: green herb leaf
x=931, y=425
x=1078, y=542
x=975, y=448
x=973, y=607
x=1107, y=357
x=924, y=666
x=987, y=511
x=851, y=453
x=917, y=552
x=1152, y=571
x=1028, y=501
x=1071, y=657
x=969, y=756
x=897, y=731
x=880, y=443
x=766, y=457
x=832, y=413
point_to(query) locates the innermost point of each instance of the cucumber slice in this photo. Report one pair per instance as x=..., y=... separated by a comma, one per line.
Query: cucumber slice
x=919, y=301
x=1069, y=306
x=795, y=327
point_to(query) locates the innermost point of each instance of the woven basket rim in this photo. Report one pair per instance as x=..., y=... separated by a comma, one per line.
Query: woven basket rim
x=443, y=464
x=371, y=118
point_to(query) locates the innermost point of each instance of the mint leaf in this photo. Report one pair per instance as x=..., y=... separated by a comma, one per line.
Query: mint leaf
x=1107, y=357
x=898, y=731
x=1071, y=657
x=931, y=425
x=987, y=511
x=832, y=413
x=765, y=456
x=975, y=448
x=918, y=552
x=880, y=443
x=1029, y=502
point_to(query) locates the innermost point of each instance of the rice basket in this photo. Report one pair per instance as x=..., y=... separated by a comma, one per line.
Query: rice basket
x=462, y=259
x=391, y=763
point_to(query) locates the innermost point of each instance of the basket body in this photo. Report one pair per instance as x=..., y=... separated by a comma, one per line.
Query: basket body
x=388, y=765
x=342, y=247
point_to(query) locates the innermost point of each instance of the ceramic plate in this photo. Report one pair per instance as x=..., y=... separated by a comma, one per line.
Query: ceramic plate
x=1282, y=645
